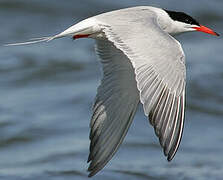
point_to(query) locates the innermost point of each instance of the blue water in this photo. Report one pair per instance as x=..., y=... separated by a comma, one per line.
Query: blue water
x=47, y=91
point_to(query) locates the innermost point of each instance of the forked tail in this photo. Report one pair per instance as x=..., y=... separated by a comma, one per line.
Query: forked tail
x=81, y=29
x=32, y=41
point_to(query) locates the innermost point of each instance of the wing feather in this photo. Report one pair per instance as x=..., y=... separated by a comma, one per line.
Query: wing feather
x=160, y=72
x=140, y=62
x=115, y=105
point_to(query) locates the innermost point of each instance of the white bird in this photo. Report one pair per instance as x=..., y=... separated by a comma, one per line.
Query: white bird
x=142, y=62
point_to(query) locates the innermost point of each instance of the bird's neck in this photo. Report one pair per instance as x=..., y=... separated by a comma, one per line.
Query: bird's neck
x=169, y=25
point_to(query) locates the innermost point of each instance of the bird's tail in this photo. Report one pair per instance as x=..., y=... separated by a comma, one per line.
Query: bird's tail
x=31, y=41
x=82, y=28
x=35, y=40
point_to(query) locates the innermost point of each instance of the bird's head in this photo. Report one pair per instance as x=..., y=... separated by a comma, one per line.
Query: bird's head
x=180, y=22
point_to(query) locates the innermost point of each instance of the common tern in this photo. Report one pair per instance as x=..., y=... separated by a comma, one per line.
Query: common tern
x=142, y=62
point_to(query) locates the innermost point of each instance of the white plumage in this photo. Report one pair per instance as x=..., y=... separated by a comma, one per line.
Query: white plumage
x=136, y=54
x=141, y=62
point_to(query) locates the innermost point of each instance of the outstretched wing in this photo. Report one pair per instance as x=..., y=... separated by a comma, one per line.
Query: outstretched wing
x=159, y=64
x=115, y=105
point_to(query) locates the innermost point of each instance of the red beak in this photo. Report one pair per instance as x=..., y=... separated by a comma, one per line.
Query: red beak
x=206, y=30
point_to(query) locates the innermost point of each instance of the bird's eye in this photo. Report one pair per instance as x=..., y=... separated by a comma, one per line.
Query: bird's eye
x=188, y=21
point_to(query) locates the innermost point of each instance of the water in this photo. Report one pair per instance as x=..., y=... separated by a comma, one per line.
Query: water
x=47, y=92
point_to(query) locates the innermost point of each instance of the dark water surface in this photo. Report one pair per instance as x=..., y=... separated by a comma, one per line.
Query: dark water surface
x=47, y=92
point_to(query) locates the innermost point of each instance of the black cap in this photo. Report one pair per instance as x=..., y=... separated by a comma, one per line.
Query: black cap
x=182, y=17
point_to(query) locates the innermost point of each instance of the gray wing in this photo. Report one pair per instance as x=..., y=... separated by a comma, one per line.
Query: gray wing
x=159, y=64
x=115, y=105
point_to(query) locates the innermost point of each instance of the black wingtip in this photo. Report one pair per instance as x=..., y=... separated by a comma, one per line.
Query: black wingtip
x=90, y=172
x=169, y=158
x=90, y=175
x=89, y=158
